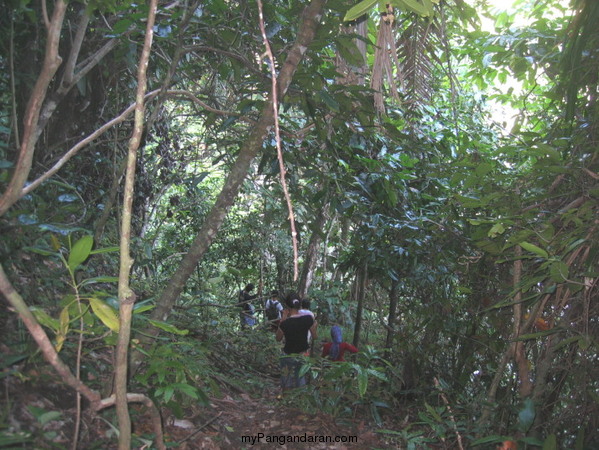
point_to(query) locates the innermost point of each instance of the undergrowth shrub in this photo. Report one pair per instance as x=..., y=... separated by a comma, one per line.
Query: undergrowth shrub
x=344, y=388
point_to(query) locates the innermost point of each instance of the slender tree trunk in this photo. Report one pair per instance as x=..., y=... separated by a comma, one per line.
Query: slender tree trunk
x=249, y=149
x=361, y=278
x=525, y=387
x=126, y=295
x=344, y=241
x=512, y=349
x=393, y=299
x=110, y=202
x=311, y=256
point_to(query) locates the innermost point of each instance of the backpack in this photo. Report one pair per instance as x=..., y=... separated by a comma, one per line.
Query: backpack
x=272, y=312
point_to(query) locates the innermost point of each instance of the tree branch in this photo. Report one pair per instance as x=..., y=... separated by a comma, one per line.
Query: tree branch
x=73, y=151
x=52, y=61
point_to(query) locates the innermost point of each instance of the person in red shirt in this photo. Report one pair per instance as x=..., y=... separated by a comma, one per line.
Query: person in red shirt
x=336, y=349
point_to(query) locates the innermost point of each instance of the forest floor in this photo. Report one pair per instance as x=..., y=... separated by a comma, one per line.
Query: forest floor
x=235, y=420
x=240, y=421
x=247, y=412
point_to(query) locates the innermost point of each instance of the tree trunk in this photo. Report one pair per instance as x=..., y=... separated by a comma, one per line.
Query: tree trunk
x=522, y=363
x=360, y=291
x=110, y=201
x=307, y=275
x=393, y=299
x=249, y=149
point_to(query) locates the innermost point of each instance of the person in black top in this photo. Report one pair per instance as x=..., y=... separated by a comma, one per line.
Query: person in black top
x=247, y=309
x=294, y=327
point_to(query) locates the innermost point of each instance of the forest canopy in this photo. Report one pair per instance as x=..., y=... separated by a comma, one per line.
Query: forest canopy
x=425, y=172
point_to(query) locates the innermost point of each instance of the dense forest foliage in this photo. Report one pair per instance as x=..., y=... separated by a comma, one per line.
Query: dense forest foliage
x=424, y=171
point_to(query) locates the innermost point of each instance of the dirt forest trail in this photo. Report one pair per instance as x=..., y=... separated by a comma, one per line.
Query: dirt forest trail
x=238, y=421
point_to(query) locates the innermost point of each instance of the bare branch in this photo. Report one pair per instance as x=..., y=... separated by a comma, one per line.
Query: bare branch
x=69, y=69
x=73, y=151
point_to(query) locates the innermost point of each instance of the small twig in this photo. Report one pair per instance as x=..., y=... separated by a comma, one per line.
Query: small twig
x=200, y=428
x=451, y=416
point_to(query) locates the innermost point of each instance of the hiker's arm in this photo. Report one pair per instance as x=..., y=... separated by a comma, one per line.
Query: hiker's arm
x=280, y=334
x=313, y=331
x=350, y=348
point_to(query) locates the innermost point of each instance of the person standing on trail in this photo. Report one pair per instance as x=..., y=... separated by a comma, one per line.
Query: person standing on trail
x=273, y=310
x=294, y=328
x=336, y=349
x=247, y=309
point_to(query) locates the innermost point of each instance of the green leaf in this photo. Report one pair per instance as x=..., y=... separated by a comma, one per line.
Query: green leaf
x=359, y=10
x=7, y=438
x=104, y=250
x=304, y=370
x=105, y=313
x=168, y=327
x=43, y=318
x=169, y=391
x=496, y=229
x=559, y=271
x=414, y=6
x=329, y=100
x=63, y=329
x=526, y=415
x=49, y=416
x=526, y=337
x=550, y=442
x=349, y=51
x=39, y=251
x=566, y=342
x=534, y=249
x=121, y=26
x=105, y=279
x=375, y=373
x=186, y=389
x=80, y=252
x=433, y=412
x=362, y=382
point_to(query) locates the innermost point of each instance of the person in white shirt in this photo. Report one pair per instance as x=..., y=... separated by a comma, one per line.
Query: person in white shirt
x=273, y=310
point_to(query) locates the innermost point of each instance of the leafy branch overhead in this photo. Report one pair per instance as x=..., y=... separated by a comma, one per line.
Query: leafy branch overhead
x=425, y=8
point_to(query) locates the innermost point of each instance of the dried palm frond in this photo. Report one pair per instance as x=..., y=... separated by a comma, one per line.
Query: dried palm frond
x=385, y=57
x=416, y=56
